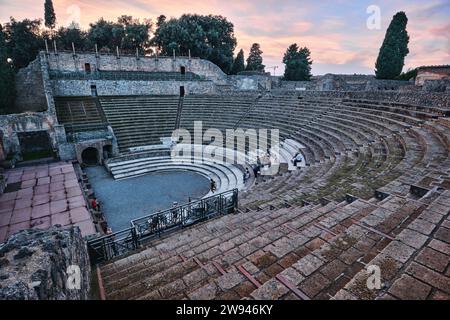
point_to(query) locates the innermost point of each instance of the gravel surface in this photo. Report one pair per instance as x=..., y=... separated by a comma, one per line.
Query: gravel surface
x=124, y=200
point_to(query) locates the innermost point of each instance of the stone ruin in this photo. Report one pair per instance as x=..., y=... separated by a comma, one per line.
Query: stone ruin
x=38, y=264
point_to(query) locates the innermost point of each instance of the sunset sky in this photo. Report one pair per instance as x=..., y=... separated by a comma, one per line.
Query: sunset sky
x=335, y=31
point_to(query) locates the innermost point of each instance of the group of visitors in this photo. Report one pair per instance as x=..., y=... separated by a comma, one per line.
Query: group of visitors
x=260, y=164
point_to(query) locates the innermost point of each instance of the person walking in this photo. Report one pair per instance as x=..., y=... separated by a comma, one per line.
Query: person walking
x=213, y=185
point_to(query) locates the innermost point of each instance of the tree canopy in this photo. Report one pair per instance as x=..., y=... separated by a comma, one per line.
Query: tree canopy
x=254, y=60
x=238, y=63
x=394, y=49
x=23, y=41
x=73, y=34
x=298, y=63
x=127, y=34
x=408, y=75
x=208, y=37
x=7, y=84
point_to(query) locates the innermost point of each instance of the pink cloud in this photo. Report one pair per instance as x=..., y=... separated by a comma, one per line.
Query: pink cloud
x=334, y=37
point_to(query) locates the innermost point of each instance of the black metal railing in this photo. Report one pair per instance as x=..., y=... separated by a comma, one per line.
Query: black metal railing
x=154, y=225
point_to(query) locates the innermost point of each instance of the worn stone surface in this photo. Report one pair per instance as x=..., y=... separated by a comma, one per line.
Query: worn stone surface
x=48, y=194
x=36, y=265
x=308, y=264
x=408, y=288
x=30, y=88
x=271, y=290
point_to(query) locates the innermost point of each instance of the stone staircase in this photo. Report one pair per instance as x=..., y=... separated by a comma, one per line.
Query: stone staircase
x=79, y=114
x=140, y=120
x=310, y=252
x=372, y=191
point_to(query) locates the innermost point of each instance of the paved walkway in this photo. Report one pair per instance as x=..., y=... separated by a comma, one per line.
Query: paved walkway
x=41, y=196
x=124, y=200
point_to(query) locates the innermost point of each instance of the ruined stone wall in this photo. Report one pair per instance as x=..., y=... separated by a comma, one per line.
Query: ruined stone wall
x=64, y=61
x=32, y=120
x=340, y=82
x=64, y=88
x=38, y=265
x=11, y=124
x=439, y=100
x=436, y=85
x=298, y=85
x=249, y=82
x=432, y=73
x=380, y=84
x=30, y=88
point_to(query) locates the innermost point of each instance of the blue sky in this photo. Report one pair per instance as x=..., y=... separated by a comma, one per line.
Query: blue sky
x=335, y=31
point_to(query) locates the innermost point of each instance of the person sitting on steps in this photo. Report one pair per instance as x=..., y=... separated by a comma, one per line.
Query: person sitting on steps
x=297, y=158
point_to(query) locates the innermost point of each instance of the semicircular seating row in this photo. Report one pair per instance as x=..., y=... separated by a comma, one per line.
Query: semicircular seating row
x=227, y=173
x=314, y=250
x=350, y=146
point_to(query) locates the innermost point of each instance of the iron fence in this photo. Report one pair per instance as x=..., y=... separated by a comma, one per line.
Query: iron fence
x=154, y=225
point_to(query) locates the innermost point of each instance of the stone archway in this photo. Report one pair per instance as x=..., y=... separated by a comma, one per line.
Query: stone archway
x=90, y=156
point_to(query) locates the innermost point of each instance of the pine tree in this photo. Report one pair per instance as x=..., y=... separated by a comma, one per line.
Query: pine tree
x=298, y=63
x=50, y=17
x=238, y=63
x=394, y=49
x=160, y=20
x=254, y=60
x=7, y=76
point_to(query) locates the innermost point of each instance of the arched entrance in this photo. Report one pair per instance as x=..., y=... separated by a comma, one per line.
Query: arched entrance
x=89, y=156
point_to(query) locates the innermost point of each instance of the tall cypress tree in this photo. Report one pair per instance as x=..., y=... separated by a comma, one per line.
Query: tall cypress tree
x=298, y=63
x=254, y=60
x=7, y=76
x=238, y=63
x=50, y=16
x=394, y=49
